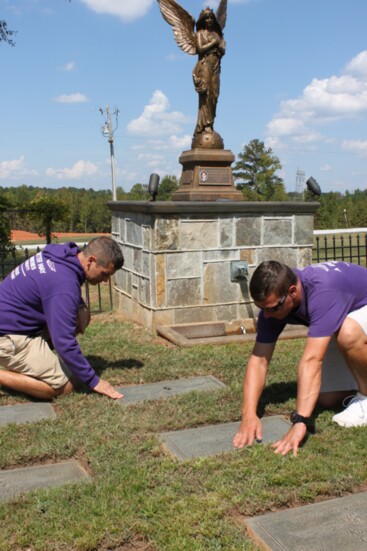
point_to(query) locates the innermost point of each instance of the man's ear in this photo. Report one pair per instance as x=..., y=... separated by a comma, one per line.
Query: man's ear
x=90, y=259
x=292, y=290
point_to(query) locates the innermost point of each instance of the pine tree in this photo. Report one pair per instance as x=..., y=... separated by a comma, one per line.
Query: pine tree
x=256, y=172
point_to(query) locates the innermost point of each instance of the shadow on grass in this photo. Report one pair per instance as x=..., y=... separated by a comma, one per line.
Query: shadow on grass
x=101, y=364
x=277, y=393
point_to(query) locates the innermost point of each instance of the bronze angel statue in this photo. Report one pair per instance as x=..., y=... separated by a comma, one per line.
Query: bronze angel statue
x=208, y=43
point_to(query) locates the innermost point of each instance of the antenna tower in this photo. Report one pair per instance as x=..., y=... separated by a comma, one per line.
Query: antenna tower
x=300, y=180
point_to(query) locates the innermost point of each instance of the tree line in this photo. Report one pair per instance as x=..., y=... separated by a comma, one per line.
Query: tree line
x=70, y=209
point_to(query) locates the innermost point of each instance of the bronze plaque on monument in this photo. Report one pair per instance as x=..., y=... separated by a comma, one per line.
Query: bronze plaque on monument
x=207, y=176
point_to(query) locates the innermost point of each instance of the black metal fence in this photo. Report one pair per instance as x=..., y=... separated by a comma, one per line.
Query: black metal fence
x=346, y=245
x=98, y=298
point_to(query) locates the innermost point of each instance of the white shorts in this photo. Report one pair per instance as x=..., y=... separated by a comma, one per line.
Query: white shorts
x=335, y=373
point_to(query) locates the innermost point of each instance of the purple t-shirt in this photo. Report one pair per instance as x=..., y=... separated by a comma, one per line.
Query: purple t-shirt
x=330, y=291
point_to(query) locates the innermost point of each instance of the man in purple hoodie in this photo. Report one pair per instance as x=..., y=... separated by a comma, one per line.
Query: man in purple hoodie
x=45, y=293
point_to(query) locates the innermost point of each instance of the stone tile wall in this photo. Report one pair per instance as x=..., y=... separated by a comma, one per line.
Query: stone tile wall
x=177, y=255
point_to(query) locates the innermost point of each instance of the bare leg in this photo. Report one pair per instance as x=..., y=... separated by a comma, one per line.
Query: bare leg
x=331, y=400
x=32, y=387
x=352, y=342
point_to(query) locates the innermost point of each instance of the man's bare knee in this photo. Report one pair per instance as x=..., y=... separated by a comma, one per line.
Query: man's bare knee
x=64, y=390
x=332, y=400
x=350, y=336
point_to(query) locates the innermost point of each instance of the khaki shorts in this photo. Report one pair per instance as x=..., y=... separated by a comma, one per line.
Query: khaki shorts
x=32, y=356
x=335, y=373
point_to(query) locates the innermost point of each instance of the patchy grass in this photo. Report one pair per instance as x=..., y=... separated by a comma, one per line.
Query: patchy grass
x=141, y=498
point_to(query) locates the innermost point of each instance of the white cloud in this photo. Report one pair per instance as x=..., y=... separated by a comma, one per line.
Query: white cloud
x=15, y=169
x=322, y=102
x=358, y=65
x=282, y=126
x=150, y=157
x=69, y=67
x=156, y=119
x=78, y=170
x=356, y=146
x=325, y=168
x=172, y=57
x=180, y=143
x=127, y=10
x=71, y=98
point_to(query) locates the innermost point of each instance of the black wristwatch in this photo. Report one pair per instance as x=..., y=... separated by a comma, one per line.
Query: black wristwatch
x=297, y=418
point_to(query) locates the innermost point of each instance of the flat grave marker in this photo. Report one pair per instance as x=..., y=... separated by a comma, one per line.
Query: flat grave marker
x=26, y=413
x=333, y=525
x=166, y=389
x=15, y=482
x=215, y=439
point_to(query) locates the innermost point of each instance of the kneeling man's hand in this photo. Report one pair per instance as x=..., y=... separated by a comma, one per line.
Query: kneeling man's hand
x=104, y=387
x=249, y=431
x=292, y=440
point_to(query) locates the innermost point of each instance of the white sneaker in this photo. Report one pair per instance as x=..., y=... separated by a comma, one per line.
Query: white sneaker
x=355, y=415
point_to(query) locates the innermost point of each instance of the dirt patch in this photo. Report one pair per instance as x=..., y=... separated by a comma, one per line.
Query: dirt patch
x=20, y=235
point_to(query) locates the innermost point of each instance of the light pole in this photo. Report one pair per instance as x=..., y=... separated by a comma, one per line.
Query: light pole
x=107, y=132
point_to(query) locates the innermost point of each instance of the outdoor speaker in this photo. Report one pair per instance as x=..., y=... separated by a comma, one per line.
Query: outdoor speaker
x=153, y=185
x=313, y=186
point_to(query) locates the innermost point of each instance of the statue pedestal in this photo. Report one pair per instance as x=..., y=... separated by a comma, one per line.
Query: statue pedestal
x=178, y=255
x=207, y=176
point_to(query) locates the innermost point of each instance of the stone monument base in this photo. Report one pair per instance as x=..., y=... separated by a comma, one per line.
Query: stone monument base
x=179, y=256
x=207, y=176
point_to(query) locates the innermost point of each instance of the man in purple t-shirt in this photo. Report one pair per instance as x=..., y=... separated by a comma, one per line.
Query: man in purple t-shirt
x=331, y=299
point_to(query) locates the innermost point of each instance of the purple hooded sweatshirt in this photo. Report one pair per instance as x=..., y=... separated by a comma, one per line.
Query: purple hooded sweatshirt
x=45, y=290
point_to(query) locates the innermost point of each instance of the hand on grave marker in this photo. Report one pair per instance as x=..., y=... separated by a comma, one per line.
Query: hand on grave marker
x=104, y=387
x=292, y=440
x=249, y=431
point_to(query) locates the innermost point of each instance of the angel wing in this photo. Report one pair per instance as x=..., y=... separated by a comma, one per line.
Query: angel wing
x=221, y=14
x=182, y=22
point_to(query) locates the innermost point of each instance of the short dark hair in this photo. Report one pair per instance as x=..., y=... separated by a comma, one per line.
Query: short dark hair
x=106, y=250
x=271, y=277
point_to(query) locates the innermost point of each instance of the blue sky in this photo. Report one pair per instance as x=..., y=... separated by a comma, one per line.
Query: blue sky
x=294, y=75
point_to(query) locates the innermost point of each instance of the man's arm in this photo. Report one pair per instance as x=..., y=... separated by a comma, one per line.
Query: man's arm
x=253, y=386
x=308, y=389
x=61, y=315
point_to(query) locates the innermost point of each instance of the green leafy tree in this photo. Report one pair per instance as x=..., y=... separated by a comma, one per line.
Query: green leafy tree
x=255, y=172
x=330, y=213
x=6, y=34
x=121, y=194
x=139, y=193
x=45, y=211
x=168, y=185
x=5, y=235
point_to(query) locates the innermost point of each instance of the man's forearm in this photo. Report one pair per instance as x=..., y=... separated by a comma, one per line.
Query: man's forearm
x=308, y=386
x=253, y=386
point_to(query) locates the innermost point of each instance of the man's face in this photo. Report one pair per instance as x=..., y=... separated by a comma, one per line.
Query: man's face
x=277, y=307
x=95, y=273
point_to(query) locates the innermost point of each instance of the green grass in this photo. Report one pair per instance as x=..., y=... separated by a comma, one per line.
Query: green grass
x=141, y=498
